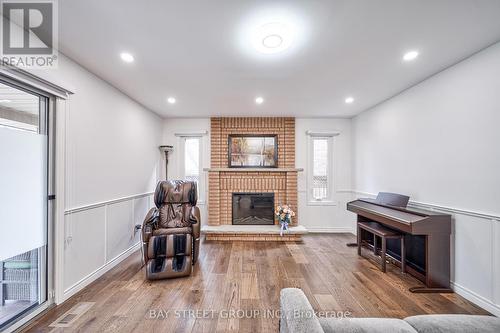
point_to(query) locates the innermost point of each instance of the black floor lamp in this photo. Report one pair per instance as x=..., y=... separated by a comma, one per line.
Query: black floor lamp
x=166, y=150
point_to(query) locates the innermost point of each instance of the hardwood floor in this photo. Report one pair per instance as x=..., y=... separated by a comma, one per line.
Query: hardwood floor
x=249, y=276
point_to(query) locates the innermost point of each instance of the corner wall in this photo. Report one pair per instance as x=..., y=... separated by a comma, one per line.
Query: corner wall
x=437, y=142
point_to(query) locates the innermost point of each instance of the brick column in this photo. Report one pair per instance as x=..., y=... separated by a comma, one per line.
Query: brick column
x=289, y=144
x=216, y=144
x=213, y=198
x=291, y=194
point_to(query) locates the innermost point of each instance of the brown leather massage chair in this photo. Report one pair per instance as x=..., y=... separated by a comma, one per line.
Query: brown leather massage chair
x=171, y=231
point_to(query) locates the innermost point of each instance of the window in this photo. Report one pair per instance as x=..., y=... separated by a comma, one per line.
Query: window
x=192, y=159
x=192, y=162
x=320, y=168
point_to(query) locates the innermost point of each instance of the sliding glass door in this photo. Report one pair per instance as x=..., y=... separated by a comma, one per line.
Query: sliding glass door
x=24, y=209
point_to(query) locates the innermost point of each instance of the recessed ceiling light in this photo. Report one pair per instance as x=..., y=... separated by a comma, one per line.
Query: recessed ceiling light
x=259, y=100
x=127, y=57
x=411, y=55
x=273, y=38
x=171, y=100
x=349, y=100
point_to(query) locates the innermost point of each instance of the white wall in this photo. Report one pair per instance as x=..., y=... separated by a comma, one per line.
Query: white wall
x=173, y=126
x=112, y=165
x=437, y=142
x=331, y=217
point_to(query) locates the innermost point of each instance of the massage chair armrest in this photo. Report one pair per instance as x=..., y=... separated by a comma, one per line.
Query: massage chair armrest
x=196, y=221
x=150, y=220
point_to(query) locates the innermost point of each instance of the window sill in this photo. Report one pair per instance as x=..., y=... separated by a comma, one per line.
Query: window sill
x=322, y=203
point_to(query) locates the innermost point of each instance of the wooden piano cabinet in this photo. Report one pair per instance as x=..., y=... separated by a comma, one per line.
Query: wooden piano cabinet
x=437, y=277
x=427, y=241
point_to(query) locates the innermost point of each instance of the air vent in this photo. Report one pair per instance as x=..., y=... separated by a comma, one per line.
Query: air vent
x=72, y=315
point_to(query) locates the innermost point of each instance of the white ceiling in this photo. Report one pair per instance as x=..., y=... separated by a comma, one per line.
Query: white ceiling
x=193, y=50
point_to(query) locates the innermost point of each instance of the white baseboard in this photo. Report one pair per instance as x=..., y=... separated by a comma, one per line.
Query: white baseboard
x=99, y=272
x=333, y=230
x=476, y=299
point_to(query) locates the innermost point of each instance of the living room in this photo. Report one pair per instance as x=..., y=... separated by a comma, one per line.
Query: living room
x=291, y=166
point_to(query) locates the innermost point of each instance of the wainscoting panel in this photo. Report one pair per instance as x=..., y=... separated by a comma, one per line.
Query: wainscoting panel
x=494, y=262
x=141, y=208
x=472, y=251
x=84, y=249
x=99, y=236
x=119, y=228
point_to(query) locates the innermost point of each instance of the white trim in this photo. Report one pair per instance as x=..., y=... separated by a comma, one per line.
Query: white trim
x=476, y=299
x=60, y=202
x=311, y=201
x=35, y=81
x=202, y=182
x=99, y=272
x=325, y=134
x=322, y=203
x=344, y=191
x=192, y=133
x=105, y=203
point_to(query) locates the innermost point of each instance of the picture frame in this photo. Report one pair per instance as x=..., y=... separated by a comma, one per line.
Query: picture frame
x=253, y=151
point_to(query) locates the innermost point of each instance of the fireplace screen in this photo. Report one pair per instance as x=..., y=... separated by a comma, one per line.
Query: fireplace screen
x=253, y=208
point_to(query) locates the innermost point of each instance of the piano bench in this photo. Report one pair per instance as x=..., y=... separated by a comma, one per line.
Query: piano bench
x=384, y=233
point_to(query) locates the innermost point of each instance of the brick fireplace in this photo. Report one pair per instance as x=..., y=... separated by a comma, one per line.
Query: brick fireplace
x=223, y=181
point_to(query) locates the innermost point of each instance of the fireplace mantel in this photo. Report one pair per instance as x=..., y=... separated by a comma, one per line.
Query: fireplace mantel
x=253, y=169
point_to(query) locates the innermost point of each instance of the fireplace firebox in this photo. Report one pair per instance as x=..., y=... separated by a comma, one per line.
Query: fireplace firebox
x=253, y=208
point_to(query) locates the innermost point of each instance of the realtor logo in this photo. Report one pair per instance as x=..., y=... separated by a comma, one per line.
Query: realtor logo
x=29, y=33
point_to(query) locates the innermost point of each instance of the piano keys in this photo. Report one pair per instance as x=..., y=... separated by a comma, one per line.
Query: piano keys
x=426, y=234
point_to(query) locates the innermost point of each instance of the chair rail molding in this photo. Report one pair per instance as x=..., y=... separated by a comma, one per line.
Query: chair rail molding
x=105, y=203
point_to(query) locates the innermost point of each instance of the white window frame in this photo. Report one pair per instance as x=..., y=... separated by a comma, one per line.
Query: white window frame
x=182, y=137
x=330, y=199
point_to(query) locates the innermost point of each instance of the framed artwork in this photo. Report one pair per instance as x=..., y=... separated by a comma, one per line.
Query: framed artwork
x=253, y=151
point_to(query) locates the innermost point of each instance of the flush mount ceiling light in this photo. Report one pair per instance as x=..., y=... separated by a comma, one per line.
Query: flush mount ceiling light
x=272, y=32
x=259, y=100
x=272, y=38
x=349, y=100
x=127, y=57
x=272, y=41
x=171, y=100
x=411, y=55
